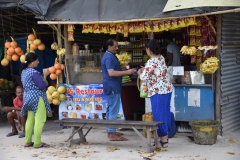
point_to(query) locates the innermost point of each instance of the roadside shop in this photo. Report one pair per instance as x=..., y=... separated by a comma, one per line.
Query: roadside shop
x=202, y=88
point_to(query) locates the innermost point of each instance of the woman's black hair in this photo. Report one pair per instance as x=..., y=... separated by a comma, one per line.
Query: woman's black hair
x=110, y=42
x=154, y=46
x=30, y=57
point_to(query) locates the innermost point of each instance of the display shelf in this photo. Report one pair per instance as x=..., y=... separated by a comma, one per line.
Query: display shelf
x=136, y=63
x=130, y=49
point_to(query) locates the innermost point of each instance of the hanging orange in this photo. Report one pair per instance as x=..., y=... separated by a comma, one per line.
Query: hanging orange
x=14, y=44
x=53, y=76
x=62, y=67
x=52, y=69
x=7, y=44
x=30, y=42
x=18, y=50
x=15, y=57
x=33, y=46
x=41, y=47
x=31, y=37
x=21, y=53
x=58, y=72
x=10, y=51
x=57, y=66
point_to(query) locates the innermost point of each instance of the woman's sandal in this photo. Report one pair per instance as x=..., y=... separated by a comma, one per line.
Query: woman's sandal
x=43, y=145
x=163, y=143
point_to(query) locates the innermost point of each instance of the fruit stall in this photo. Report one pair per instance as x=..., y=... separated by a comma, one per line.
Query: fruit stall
x=194, y=81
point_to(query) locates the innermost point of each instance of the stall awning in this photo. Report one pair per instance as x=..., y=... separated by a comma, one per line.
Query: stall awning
x=173, y=5
x=107, y=11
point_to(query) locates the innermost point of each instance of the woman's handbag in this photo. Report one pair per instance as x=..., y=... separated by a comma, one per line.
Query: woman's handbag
x=142, y=87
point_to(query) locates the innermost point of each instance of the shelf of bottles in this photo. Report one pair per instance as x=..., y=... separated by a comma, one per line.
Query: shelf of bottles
x=136, y=48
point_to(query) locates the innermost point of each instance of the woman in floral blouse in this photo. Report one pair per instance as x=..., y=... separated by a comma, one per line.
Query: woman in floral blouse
x=159, y=89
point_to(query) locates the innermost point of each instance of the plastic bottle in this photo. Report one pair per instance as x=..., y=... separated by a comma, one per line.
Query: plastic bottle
x=75, y=49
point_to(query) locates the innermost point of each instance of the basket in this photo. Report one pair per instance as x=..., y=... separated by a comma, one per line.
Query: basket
x=204, y=131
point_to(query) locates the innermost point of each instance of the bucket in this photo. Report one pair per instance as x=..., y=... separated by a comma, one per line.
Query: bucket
x=204, y=131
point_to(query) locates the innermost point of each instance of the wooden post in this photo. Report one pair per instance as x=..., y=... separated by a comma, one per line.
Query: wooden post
x=59, y=40
x=43, y=59
x=67, y=45
x=218, y=73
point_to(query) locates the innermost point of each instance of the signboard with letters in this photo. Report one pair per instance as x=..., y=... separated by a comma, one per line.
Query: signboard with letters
x=85, y=102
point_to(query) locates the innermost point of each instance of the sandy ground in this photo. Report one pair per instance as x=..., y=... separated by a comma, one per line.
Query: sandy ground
x=181, y=147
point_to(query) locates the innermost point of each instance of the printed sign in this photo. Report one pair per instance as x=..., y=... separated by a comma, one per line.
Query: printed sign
x=194, y=97
x=178, y=70
x=85, y=102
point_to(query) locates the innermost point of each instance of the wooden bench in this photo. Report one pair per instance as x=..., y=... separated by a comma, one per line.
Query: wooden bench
x=78, y=124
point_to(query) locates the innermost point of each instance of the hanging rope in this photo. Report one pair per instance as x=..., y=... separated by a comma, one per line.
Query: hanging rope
x=26, y=23
x=2, y=25
x=11, y=23
x=53, y=36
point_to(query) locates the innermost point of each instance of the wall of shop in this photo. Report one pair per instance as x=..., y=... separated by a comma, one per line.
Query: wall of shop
x=230, y=73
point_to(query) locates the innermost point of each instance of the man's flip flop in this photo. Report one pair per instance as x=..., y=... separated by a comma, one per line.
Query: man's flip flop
x=29, y=144
x=21, y=136
x=119, y=138
x=119, y=133
x=43, y=145
x=11, y=134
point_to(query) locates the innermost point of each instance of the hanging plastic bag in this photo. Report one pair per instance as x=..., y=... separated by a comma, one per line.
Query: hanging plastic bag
x=142, y=87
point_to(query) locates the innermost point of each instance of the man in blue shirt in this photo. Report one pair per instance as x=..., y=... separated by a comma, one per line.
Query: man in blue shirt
x=112, y=85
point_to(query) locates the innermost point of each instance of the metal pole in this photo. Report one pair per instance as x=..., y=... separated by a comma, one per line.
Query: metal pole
x=218, y=73
x=67, y=45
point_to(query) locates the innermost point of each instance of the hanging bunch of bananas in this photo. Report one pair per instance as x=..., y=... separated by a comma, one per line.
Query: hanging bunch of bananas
x=209, y=66
x=124, y=58
x=54, y=46
x=61, y=51
x=186, y=50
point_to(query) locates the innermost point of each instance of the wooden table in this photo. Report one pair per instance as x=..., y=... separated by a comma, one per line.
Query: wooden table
x=78, y=124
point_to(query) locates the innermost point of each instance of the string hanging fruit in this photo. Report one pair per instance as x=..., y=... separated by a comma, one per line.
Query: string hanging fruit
x=34, y=42
x=12, y=51
x=56, y=70
x=123, y=58
x=209, y=66
x=56, y=94
x=186, y=50
x=61, y=52
x=5, y=61
x=54, y=46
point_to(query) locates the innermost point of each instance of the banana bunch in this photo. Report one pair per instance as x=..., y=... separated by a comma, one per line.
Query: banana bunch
x=126, y=79
x=209, y=66
x=61, y=51
x=124, y=58
x=54, y=46
x=188, y=50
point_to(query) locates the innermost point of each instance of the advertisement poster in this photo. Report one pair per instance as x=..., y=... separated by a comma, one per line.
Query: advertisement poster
x=85, y=102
